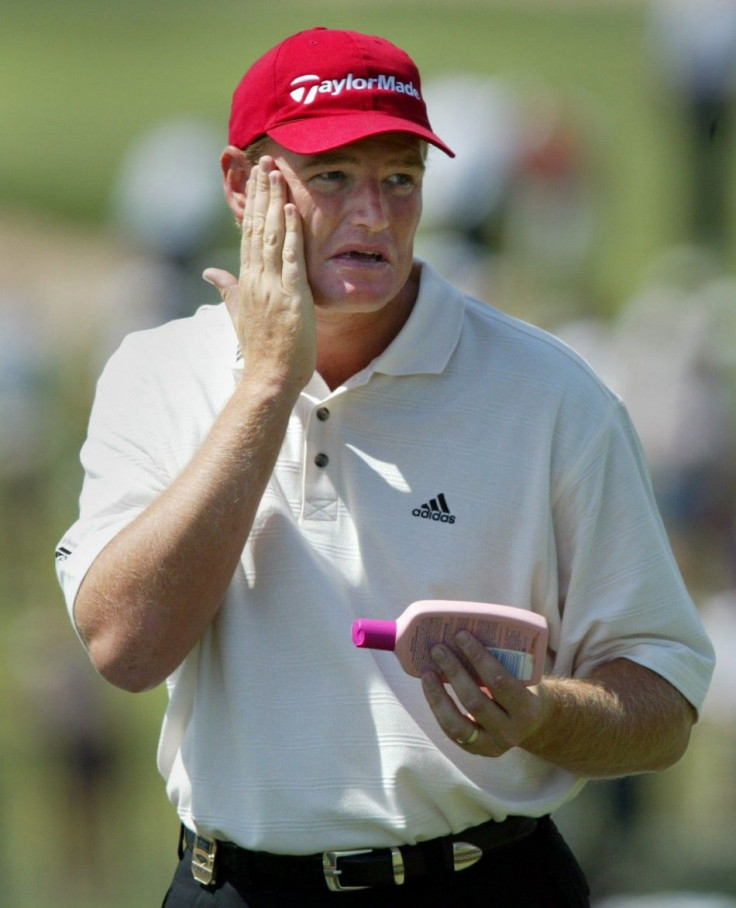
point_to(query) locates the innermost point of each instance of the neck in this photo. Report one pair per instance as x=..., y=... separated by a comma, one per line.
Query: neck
x=347, y=343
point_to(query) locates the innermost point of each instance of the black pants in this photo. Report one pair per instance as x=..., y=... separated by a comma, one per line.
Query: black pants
x=538, y=872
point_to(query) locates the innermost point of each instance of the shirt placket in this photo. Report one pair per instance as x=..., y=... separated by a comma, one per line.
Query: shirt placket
x=320, y=461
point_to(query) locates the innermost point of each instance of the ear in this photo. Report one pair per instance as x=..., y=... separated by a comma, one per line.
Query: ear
x=236, y=169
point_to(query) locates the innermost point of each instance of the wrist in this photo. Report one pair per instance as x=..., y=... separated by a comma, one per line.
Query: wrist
x=547, y=719
x=269, y=386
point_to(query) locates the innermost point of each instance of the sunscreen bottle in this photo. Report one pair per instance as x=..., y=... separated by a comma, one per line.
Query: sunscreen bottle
x=516, y=637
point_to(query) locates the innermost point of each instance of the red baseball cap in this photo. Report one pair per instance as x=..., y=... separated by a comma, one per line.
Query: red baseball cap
x=323, y=88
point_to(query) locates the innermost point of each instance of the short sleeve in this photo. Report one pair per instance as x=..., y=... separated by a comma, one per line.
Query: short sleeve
x=123, y=469
x=622, y=594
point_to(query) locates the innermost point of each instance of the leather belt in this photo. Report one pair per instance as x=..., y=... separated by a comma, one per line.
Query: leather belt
x=358, y=868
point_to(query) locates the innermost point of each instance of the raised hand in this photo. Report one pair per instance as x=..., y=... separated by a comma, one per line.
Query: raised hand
x=271, y=303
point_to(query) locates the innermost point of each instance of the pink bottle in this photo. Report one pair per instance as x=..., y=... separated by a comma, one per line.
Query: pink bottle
x=516, y=637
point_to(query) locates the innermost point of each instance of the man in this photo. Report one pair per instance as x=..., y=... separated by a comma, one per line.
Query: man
x=255, y=481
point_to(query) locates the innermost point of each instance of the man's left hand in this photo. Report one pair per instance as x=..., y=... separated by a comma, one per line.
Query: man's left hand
x=503, y=710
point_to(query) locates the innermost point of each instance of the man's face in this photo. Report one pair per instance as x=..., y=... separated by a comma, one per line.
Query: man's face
x=360, y=206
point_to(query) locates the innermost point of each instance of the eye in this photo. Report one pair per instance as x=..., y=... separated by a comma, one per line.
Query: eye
x=329, y=176
x=327, y=182
x=403, y=182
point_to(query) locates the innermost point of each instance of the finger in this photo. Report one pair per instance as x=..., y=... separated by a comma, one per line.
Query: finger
x=506, y=708
x=472, y=736
x=471, y=695
x=503, y=687
x=226, y=285
x=458, y=726
x=247, y=223
x=294, y=273
x=491, y=722
x=261, y=200
x=274, y=225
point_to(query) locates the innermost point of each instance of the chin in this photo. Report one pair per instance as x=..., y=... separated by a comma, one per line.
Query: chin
x=349, y=298
x=350, y=305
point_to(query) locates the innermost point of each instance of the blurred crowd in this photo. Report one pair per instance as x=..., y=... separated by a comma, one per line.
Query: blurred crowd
x=515, y=219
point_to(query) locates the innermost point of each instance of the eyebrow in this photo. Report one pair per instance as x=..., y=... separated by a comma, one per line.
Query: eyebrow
x=410, y=158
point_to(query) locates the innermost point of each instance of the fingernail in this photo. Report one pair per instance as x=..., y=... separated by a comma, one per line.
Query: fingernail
x=463, y=639
x=439, y=655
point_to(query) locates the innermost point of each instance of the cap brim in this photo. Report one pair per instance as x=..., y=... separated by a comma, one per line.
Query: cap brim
x=314, y=135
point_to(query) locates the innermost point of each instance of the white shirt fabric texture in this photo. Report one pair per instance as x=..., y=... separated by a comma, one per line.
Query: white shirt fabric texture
x=281, y=735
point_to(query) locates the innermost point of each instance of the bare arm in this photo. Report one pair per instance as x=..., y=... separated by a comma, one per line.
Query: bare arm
x=623, y=719
x=155, y=588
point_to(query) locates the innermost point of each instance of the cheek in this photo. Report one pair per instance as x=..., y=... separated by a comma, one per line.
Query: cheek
x=407, y=214
x=407, y=228
x=316, y=227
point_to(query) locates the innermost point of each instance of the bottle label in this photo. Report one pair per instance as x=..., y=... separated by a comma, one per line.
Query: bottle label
x=518, y=664
x=511, y=644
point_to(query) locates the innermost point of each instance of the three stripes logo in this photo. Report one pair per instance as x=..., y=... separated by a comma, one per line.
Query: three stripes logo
x=62, y=553
x=435, y=509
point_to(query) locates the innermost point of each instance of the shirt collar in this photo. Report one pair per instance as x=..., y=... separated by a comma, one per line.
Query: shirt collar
x=426, y=341
x=430, y=334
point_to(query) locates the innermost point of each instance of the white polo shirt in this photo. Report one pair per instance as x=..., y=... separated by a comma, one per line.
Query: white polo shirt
x=477, y=458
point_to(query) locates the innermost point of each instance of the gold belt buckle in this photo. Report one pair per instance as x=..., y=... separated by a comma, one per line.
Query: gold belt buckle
x=204, y=852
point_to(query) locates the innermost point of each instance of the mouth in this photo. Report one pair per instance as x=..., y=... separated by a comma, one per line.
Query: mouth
x=359, y=255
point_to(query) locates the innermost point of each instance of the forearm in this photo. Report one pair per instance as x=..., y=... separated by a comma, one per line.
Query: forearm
x=624, y=719
x=621, y=720
x=155, y=588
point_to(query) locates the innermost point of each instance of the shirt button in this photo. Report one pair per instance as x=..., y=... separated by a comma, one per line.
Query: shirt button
x=323, y=414
x=321, y=460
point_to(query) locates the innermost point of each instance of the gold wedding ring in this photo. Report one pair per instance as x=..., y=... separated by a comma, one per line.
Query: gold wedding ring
x=470, y=738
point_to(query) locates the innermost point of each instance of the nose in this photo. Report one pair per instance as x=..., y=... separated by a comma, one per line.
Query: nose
x=370, y=206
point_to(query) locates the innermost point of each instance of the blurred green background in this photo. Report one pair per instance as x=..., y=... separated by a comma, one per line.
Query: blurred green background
x=81, y=80
x=84, y=814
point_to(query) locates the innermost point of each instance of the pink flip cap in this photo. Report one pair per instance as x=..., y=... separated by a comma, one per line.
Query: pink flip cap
x=374, y=634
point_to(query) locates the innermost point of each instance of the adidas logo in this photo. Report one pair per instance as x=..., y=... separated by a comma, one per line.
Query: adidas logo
x=62, y=553
x=435, y=509
x=304, y=89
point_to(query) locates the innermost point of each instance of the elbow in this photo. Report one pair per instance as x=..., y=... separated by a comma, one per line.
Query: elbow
x=120, y=651
x=673, y=737
x=678, y=742
x=123, y=666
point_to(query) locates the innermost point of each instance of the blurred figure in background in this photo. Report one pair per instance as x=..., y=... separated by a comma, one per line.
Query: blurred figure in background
x=173, y=220
x=675, y=342
x=514, y=218
x=671, y=352
x=695, y=51
x=25, y=451
x=66, y=720
x=551, y=222
x=465, y=199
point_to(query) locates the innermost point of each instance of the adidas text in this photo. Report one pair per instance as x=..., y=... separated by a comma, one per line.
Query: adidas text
x=435, y=509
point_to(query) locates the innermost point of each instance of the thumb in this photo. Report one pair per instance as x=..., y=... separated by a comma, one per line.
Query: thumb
x=224, y=282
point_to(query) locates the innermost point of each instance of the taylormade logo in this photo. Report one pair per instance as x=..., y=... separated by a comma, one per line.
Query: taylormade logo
x=304, y=89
